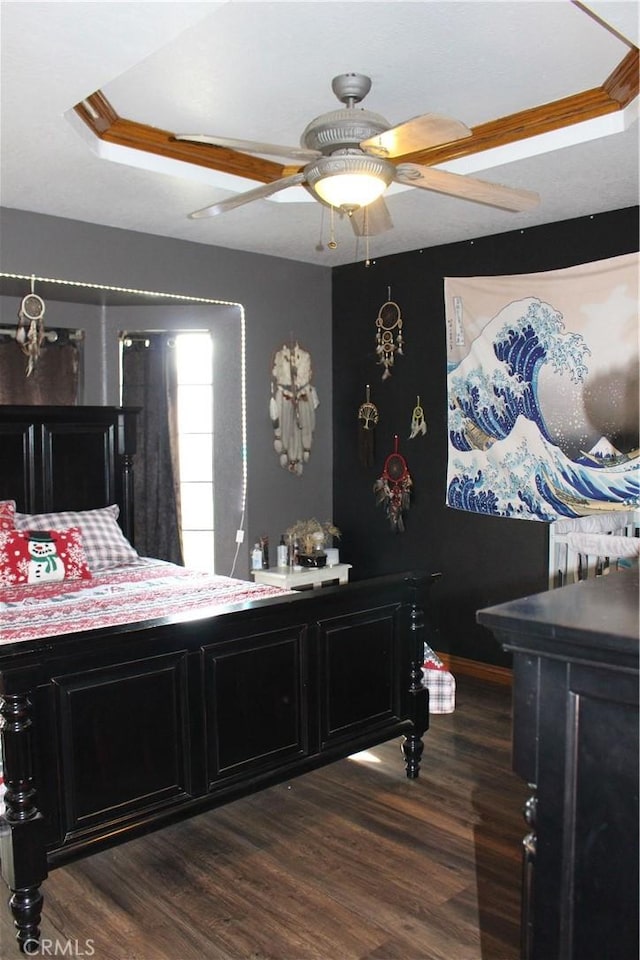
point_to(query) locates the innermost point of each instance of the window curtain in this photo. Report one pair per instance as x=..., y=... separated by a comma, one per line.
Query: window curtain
x=53, y=381
x=149, y=381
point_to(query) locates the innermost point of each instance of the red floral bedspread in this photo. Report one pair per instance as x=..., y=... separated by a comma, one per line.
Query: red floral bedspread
x=130, y=594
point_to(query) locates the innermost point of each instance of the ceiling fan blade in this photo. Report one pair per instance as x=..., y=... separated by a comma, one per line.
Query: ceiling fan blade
x=258, y=193
x=251, y=146
x=429, y=130
x=467, y=188
x=371, y=220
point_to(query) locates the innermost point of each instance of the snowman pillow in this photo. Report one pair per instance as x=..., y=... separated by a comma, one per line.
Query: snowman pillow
x=42, y=556
x=104, y=543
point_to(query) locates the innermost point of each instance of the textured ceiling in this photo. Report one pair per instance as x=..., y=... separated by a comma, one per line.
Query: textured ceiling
x=263, y=70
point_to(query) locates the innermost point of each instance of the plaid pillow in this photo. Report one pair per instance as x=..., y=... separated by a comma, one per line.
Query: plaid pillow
x=7, y=514
x=42, y=556
x=104, y=543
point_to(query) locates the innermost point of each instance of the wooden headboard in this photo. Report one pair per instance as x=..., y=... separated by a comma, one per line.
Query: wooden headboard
x=68, y=458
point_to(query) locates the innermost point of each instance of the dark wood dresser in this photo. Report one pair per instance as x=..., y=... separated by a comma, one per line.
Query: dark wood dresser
x=575, y=740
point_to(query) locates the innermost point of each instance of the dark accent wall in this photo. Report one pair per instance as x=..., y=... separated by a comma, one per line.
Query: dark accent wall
x=483, y=560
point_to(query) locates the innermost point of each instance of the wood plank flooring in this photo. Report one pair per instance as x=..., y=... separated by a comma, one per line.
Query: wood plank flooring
x=352, y=862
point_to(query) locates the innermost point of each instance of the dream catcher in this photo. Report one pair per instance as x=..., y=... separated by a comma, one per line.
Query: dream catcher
x=388, y=335
x=30, y=330
x=418, y=423
x=293, y=406
x=393, y=488
x=367, y=420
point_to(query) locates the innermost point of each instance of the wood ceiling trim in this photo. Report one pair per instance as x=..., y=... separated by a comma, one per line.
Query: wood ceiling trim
x=101, y=118
x=97, y=112
x=617, y=91
x=523, y=125
x=622, y=85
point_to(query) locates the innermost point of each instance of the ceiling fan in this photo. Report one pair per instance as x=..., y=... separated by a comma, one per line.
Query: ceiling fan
x=348, y=159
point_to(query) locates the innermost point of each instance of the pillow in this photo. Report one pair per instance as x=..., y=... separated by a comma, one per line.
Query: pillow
x=104, y=543
x=7, y=514
x=42, y=556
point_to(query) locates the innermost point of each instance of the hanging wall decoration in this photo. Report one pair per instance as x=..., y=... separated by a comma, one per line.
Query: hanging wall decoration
x=418, y=423
x=393, y=488
x=367, y=419
x=30, y=330
x=292, y=407
x=389, y=340
x=542, y=382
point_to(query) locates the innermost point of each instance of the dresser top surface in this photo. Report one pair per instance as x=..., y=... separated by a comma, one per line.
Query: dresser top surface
x=600, y=614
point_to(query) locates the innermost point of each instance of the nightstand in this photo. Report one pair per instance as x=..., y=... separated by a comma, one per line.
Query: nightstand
x=307, y=577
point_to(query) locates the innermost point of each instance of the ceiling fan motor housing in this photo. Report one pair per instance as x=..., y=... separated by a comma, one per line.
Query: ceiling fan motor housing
x=339, y=129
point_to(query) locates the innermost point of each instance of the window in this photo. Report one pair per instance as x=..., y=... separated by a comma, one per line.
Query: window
x=208, y=381
x=194, y=354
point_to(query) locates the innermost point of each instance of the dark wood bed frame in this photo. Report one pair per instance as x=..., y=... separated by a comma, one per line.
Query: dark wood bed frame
x=111, y=733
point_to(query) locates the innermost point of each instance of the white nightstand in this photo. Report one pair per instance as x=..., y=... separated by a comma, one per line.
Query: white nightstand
x=300, y=579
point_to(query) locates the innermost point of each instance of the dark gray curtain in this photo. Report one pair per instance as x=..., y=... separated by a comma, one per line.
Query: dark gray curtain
x=53, y=381
x=149, y=381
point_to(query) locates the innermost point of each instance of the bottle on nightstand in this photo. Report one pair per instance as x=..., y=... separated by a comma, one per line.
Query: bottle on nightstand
x=282, y=553
x=256, y=557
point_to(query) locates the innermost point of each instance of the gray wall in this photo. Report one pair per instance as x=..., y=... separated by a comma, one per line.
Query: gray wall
x=280, y=298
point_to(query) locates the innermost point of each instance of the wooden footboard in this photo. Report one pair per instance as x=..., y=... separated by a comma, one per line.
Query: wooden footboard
x=112, y=733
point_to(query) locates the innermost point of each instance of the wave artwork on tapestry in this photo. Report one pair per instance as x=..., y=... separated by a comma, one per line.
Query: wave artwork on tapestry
x=542, y=387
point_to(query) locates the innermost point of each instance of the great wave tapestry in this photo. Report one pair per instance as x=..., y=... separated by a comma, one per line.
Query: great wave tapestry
x=543, y=391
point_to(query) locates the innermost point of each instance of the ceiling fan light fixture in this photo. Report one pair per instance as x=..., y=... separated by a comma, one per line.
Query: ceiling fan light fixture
x=350, y=190
x=349, y=181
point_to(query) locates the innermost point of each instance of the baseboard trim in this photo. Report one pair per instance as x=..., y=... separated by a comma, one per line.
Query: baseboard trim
x=474, y=668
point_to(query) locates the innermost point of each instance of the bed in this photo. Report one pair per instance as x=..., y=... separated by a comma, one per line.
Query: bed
x=116, y=723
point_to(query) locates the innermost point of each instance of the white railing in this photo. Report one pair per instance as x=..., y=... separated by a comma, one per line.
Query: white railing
x=592, y=546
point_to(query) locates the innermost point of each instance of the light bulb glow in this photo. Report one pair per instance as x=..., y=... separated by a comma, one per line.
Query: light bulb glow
x=350, y=189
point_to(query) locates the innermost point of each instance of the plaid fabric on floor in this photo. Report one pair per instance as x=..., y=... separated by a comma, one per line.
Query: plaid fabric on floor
x=439, y=682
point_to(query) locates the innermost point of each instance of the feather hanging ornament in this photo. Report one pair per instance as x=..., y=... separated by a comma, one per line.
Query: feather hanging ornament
x=393, y=488
x=388, y=322
x=418, y=423
x=367, y=419
x=292, y=406
x=30, y=330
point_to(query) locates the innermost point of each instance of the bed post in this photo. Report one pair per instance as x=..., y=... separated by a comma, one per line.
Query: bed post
x=127, y=440
x=418, y=698
x=22, y=848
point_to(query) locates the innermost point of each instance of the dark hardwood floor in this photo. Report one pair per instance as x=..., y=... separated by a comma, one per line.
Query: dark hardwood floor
x=352, y=862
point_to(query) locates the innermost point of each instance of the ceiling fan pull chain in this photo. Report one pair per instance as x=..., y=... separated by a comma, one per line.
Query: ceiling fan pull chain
x=332, y=237
x=320, y=243
x=365, y=221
